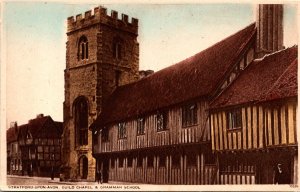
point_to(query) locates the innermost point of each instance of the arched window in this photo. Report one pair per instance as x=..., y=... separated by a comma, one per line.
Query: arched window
x=117, y=48
x=81, y=121
x=83, y=48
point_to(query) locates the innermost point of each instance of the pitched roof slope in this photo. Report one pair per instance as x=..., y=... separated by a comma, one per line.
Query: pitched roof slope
x=23, y=131
x=191, y=78
x=256, y=79
x=43, y=127
x=286, y=86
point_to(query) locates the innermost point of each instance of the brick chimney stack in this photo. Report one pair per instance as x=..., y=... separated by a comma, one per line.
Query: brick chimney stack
x=269, y=23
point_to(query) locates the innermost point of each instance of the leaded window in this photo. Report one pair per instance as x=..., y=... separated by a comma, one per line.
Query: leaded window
x=234, y=119
x=122, y=130
x=189, y=115
x=141, y=126
x=161, y=121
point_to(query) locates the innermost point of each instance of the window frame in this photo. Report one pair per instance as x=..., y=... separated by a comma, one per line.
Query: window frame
x=234, y=119
x=81, y=112
x=105, y=134
x=122, y=132
x=140, y=128
x=161, y=121
x=189, y=115
x=117, y=50
x=83, y=48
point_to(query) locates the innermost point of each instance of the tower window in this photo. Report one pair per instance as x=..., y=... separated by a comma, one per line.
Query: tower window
x=117, y=50
x=118, y=74
x=83, y=48
x=81, y=121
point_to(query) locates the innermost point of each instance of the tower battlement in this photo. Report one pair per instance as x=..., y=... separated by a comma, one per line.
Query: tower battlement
x=99, y=15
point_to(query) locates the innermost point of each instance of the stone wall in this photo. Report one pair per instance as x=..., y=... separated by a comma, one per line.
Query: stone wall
x=95, y=78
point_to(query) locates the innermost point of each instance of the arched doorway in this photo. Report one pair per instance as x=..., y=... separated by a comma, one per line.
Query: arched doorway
x=83, y=167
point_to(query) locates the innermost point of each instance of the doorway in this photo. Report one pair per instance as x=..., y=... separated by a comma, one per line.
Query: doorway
x=83, y=167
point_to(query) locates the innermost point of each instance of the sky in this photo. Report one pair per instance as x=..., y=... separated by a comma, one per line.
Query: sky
x=35, y=39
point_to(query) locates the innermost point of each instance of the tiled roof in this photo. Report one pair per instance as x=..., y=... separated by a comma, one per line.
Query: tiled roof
x=257, y=79
x=35, y=125
x=41, y=127
x=285, y=86
x=22, y=131
x=59, y=125
x=191, y=78
x=44, y=127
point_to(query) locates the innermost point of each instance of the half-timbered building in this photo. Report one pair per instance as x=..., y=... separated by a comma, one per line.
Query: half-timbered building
x=40, y=145
x=166, y=128
x=14, y=163
x=253, y=122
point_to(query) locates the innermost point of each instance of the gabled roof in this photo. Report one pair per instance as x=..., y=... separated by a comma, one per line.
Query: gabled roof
x=191, y=78
x=257, y=79
x=41, y=127
x=12, y=134
x=44, y=127
x=286, y=85
x=23, y=129
x=59, y=126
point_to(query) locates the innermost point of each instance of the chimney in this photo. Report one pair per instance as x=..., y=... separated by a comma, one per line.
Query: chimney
x=40, y=115
x=269, y=23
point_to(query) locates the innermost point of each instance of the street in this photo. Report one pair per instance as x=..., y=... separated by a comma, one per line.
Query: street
x=25, y=180
x=19, y=180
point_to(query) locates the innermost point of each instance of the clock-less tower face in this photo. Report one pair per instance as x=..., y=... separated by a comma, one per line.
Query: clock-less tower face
x=102, y=53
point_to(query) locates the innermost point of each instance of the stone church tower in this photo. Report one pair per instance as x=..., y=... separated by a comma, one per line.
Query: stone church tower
x=102, y=53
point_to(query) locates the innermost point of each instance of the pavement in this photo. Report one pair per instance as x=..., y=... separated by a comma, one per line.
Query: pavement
x=24, y=180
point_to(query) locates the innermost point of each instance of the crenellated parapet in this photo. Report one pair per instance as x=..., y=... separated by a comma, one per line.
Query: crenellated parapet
x=100, y=16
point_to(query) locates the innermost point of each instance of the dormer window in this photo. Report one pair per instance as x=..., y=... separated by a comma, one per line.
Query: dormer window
x=83, y=49
x=234, y=119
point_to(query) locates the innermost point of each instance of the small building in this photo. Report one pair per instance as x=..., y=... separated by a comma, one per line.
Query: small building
x=40, y=145
x=14, y=163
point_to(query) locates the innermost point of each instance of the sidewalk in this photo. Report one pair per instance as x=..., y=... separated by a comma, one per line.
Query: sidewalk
x=56, y=181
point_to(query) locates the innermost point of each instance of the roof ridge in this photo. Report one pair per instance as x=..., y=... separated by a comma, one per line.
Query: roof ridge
x=210, y=47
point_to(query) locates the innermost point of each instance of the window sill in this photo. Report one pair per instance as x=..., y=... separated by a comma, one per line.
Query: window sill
x=140, y=134
x=188, y=126
x=160, y=131
x=236, y=129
